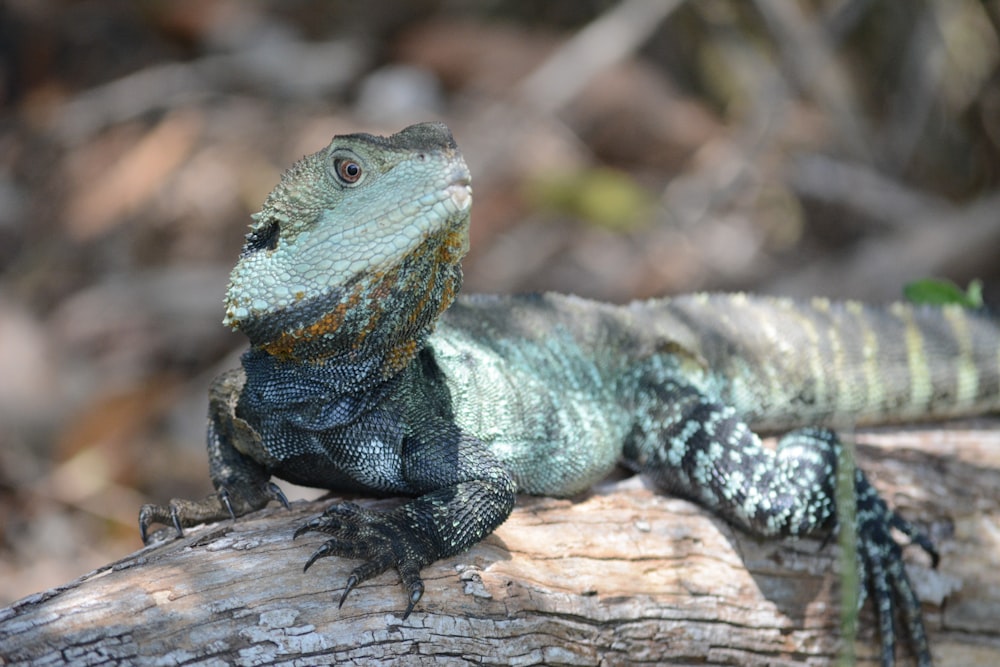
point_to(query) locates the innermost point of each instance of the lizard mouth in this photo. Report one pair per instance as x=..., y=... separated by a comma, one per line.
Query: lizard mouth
x=460, y=191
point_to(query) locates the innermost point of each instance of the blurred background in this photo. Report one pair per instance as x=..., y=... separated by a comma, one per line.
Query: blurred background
x=619, y=150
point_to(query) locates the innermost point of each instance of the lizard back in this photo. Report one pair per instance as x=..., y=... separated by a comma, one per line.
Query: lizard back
x=781, y=363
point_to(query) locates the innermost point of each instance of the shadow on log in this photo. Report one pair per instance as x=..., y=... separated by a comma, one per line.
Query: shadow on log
x=621, y=576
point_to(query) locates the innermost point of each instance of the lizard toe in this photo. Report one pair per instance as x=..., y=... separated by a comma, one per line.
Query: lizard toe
x=880, y=559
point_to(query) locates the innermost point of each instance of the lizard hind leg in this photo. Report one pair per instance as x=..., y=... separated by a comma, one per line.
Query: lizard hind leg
x=697, y=447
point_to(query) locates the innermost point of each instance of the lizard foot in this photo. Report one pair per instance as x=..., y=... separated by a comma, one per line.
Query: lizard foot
x=216, y=507
x=883, y=573
x=383, y=540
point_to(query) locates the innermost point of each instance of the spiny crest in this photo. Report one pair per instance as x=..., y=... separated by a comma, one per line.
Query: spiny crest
x=300, y=195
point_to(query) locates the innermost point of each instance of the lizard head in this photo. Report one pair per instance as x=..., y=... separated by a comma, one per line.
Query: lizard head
x=357, y=249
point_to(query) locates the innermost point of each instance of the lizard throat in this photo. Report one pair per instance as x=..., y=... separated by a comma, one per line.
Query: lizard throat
x=384, y=316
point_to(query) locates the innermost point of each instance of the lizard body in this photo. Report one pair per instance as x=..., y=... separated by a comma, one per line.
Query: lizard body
x=367, y=373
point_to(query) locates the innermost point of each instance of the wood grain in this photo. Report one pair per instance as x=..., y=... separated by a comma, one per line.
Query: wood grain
x=620, y=576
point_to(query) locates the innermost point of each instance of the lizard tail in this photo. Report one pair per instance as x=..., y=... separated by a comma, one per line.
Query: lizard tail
x=785, y=364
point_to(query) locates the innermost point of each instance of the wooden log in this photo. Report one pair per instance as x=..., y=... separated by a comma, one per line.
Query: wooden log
x=623, y=575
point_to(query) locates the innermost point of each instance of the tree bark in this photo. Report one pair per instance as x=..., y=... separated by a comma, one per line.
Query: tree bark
x=621, y=576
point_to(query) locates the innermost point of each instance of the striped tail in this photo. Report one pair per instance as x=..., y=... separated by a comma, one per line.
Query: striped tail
x=786, y=364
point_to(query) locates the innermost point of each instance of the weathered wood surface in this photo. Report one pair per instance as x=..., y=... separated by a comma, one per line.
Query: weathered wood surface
x=622, y=576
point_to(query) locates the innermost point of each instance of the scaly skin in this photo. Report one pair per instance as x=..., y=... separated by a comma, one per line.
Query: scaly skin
x=363, y=375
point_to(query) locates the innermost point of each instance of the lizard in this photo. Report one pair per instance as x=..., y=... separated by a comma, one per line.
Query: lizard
x=368, y=372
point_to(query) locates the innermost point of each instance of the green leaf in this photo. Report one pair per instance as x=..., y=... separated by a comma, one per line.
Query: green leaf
x=942, y=292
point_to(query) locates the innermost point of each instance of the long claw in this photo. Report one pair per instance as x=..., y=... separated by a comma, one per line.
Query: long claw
x=352, y=581
x=324, y=550
x=275, y=492
x=227, y=503
x=313, y=524
x=176, y=518
x=929, y=548
x=916, y=536
x=416, y=592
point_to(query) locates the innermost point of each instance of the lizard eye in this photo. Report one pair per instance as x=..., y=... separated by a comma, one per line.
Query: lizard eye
x=348, y=171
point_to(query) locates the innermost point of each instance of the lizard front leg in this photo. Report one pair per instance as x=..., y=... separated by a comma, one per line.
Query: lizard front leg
x=242, y=484
x=466, y=494
x=695, y=446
